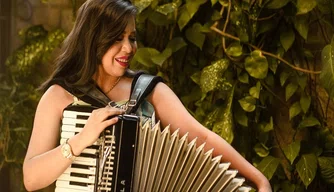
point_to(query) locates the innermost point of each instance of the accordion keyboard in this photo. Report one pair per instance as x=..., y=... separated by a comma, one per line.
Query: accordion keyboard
x=94, y=169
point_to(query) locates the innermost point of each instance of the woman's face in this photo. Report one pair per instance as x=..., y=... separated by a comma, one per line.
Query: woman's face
x=117, y=59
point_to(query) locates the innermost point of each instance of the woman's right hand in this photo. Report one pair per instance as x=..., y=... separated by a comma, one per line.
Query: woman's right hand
x=97, y=122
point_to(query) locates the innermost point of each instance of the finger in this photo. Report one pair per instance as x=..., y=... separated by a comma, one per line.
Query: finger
x=110, y=122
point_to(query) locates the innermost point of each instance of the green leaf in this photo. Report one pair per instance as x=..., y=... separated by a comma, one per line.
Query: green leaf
x=276, y=4
x=161, y=58
x=269, y=126
x=167, y=8
x=261, y=150
x=287, y=38
x=241, y=117
x=292, y=151
x=234, y=49
x=195, y=35
x=288, y=187
x=224, y=127
x=256, y=65
x=326, y=165
x=243, y=77
x=301, y=25
x=248, y=103
x=305, y=102
x=255, y=91
x=327, y=72
x=268, y=166
x=176, y=44
x=196, y=77
x=302, y=81
x=145, y=55
x=142, y=4
x=294, y=110
x=307, y=168
x=283, y=77
x=188, y=11
x=309, y=122
x=305, y=6
x=290, y=89
x=212, y=74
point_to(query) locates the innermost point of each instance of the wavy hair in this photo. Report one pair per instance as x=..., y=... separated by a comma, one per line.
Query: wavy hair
x=98, y=25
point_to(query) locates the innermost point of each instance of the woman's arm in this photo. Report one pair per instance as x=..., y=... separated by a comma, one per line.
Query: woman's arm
x=44, y=162
x=170, y=110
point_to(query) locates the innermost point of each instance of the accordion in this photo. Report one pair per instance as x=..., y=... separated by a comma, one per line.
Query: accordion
x=129, y=156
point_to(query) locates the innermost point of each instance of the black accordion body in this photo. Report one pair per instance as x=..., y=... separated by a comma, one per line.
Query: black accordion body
x=129, y=156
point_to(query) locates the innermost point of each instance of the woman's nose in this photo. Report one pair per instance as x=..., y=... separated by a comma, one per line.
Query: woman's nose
x=127, y=46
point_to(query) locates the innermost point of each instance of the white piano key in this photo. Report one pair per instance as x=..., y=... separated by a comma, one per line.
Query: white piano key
x=65, y=186
x=71, y=128
x=67, y=177
x=70, y=121
x=89, y=171
x=74, y=114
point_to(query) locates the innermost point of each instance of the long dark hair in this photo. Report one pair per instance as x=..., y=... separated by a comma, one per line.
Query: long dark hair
x=98, y=25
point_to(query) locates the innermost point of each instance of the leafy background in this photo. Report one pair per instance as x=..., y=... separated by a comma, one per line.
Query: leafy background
x=260, y=73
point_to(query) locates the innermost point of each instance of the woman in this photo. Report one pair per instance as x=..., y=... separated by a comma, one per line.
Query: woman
x=98, y=50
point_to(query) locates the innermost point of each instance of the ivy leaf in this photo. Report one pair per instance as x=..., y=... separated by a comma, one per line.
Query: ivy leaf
x=287, y=38
x=255, y=91
x=224, y=127
x=309, y=122
x=248, y=103
x=269, y=126
x=211, y=118
x=305, y=102
x=294, y=110
x=276, y=4
x=195, y=35
x=196, y=77
x=283, y=77
x=243, y=77
x=188, y=11
x=290, y=89
x=305, y=6
x=261, y=150
x=268, y=166
x=301, y=25
x=142, y=4
x=326, y=165
x=212, y=74
x=292, y=151
x=176, y=44
x=161, y=58
x=234, y=49
x=145, y=55
x=256, y=65
x=307, y=168
x=167, y=8
x=327, y=72
x=302, y=81
x=241, y=117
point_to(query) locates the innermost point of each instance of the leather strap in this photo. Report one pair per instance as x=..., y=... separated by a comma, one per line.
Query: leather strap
x=142, y=88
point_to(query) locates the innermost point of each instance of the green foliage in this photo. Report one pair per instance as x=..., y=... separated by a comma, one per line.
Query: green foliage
x=25, y=69
x=246, y=70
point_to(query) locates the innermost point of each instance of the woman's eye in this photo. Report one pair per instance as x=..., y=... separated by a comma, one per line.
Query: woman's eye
x=133, y=39
x=119, y=39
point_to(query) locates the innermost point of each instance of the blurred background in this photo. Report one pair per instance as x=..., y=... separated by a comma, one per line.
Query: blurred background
x=260, y=73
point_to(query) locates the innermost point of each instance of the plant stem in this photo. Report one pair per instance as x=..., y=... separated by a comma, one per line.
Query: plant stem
x=214, y=28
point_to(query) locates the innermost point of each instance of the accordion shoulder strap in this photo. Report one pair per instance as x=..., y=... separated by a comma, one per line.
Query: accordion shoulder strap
x=142, y=86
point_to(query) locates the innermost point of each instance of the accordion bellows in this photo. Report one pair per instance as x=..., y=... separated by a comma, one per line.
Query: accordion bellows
x=159, y=160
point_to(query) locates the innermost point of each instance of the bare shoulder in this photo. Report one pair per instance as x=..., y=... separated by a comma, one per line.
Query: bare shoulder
x=55, y=98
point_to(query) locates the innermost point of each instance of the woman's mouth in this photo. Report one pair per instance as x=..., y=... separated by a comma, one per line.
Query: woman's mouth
x=123, y=61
